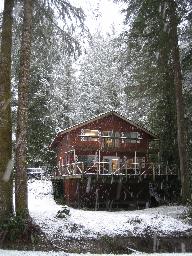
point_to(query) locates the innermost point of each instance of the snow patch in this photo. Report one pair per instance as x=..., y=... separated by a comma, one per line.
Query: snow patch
x=164, y=220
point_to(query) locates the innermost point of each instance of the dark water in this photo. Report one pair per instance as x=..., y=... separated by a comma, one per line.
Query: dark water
x=126, y=245
x=158, y=244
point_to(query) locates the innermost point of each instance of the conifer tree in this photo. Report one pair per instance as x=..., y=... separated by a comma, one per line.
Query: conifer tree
x=153, y=43
x=21, y=200
x=51, y=45
x=181, y=125
x=100, y=83
x=5, y=113
x=152, y=76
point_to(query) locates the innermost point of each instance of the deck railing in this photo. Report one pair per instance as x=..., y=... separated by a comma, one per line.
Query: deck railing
x=103, y=168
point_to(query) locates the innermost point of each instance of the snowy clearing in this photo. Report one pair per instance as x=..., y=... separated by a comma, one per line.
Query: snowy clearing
x=166, y=220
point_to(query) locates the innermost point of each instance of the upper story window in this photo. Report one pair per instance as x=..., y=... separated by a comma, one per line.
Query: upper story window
x=89, y=135
x=107, y=134
x=117, y=139
x=111, y=139
x=130, y=137
x=108, y=138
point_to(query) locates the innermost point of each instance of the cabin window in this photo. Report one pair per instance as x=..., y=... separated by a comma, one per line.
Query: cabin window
x=117, y=139
x=130, y=137
x=88, y=160
x=130, y=162
x=115, y=164
x=141, y=161
x=111, y=139
x=89, y=135
x=134, y=137
x=111, y=163
x=108, y=138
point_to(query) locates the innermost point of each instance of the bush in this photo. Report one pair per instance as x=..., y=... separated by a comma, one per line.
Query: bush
x=65, y=212
x=19, y=228
x=13, y=227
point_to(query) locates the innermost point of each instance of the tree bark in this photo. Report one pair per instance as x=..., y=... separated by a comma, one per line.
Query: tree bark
x=21, y=195
x=181, y=129
x=5, y=113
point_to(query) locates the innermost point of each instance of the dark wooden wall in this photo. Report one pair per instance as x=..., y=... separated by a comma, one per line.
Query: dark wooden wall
x=109, y=192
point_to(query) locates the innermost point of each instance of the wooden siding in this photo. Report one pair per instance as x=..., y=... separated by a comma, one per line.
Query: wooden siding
x=109, y=123
x=117, y=192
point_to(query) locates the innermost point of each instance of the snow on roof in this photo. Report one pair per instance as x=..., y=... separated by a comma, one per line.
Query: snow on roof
x=164, y=220
x=99, y=117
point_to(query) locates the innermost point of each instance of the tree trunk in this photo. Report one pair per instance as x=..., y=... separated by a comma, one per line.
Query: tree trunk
x=21, y=195
x=181, y=129
x=5, y=113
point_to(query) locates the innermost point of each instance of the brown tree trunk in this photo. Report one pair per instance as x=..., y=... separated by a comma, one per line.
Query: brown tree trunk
x=21, y=195
x=5, y=113
x=181, y=129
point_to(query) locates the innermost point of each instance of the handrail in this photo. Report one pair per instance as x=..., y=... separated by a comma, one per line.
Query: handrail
x=100, y=168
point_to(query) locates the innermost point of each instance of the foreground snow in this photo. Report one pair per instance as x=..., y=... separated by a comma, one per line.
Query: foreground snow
x=37, y=253
x=163, y=221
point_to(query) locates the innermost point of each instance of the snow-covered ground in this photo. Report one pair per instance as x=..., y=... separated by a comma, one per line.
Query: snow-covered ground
x=36, y=253
x=166, y=220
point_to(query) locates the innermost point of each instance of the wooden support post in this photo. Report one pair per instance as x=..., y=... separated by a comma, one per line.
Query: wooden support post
x=62, y=166
x=166, y=169
x=99, y=162
x=74, y=159
x=96, y=199
x=78, y=194
x=126, y=169
x=119, y=188
x=135, y=162
x=153, y=172
x=59, y=165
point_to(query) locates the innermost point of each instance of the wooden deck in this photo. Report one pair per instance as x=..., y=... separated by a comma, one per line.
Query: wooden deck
x=124, y=189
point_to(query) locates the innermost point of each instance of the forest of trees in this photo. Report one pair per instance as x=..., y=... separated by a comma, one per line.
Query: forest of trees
x=54, y=74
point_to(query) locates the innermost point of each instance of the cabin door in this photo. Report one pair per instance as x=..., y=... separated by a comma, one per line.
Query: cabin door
x=113, y=163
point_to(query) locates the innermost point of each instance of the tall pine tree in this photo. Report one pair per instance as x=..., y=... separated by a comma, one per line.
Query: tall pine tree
x=153, y=46
x=5, y=113
x=21, y=200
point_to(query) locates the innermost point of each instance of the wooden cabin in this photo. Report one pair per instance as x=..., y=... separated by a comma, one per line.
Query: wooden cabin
x=103, y=160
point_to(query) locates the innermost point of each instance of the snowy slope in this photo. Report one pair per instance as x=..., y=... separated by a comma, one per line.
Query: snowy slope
x=91, y=224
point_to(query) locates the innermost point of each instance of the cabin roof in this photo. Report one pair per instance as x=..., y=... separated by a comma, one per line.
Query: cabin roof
x=100, y=116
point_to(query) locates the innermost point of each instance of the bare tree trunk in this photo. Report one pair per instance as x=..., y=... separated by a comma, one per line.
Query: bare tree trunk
x=181, y=129
x=5, y=113
x=21, y=195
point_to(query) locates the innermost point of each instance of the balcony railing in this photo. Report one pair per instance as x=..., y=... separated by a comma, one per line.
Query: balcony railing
x=104, y=168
